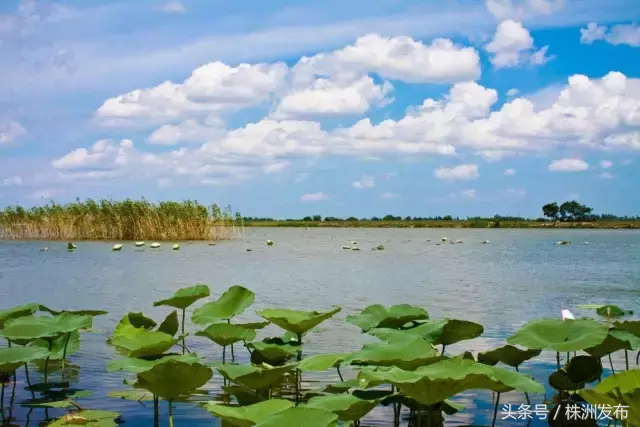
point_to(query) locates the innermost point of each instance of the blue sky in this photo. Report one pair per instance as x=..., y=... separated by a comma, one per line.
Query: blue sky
x=286, y=109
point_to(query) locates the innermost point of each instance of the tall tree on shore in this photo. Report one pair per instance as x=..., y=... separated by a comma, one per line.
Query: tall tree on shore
x=551, y=210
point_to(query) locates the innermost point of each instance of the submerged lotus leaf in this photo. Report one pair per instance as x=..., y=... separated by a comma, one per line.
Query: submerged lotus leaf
x=18, y=311
x=321, y=362
x=379, y=316
x=140, y=342
x=301, y=416
x=611, y=310
x=172, y=378
x=48, y=327
x=232, y=302
x=254, y=377
x=12, y=358
x=184, y=297
x=89, y=418
x=136, y=365
x=560, y=335
x=70, y=341
x=248, y=416
x=508, y=354
x=346, y=406
x=407, y=354
x=170, y=324
x=584, y=369
x=134, y=395
x=622, y=388
x=295, y=321
x=226, y=334
x=273, y=351
x=436, y=382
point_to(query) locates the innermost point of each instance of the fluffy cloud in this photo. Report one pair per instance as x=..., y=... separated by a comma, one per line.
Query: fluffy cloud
x=365, y=182
x=513, y=92
x=513, y=46
x=12, y=181
x=190, y=130
x=606, y=175
x=469, y=194
x=626, y=140
x=521, y=9
x=173, y=7
x=10, y=130
x=628, y=34
x=510, y=172
x=606, y=164
x=462, y=172
x=568, y=165
x=313, y=197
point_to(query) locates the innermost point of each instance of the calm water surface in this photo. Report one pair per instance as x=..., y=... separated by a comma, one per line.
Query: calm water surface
x=519, y=276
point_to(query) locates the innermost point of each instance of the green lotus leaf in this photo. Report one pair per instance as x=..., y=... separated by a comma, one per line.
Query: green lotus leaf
x=57, y=398
x=18, y=311
x=226, y=334
x=589, y=306
x=248, y=416
x=508, y=354
x=584, y=369
x=47, y=403
x=137, y=320
x=301, y=416
x=631, y=326
x=184, y=297
x=343, y=386
x=172, y=378
x=273, y=351
x=12, y=358
x=561, y=381
x=48, y=386
x=243, y=395
x=134, y=395
x=136, y=365
x=321, y=362
x=254, y=325
x=232, y=302
x=622, y=388
x=560, y=335
x=632, y=340
x=90, y=418
x=378, y=316
x=611, y=344
x=346, y=406
x=254, y=377
x=439, y=332
x=611, y=310
x=58, y=345
x=406, y=355
x=439, y=381
x=91, y=313
x=34, y=327
x=140, y=342
x=295, y=321
x=170, y=324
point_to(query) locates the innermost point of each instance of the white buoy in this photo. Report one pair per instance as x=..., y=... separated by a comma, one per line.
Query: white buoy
x=117, y=247
x=139, y=244
x=176, y=247
x=155, y=245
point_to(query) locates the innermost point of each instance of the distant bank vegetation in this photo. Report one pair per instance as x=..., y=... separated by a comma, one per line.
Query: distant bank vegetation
x=120, y=220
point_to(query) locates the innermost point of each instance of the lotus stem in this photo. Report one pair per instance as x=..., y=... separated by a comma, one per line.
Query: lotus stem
x=26, y=372
x=170, y=414
x=9, y=342
x=300, y=351
x=156, y=420
x=613, y=371
x=13, y=397
x=2, y=401
x=224, y=354
x=64, y=352
x=184, y=346
x=495, y=408
x=297, y=387
x=558, y=359
x=339, y=373
x=626, y=359
x=568, y=356
x=46, y=364
x=526, y=395
x=638, y=358
x=443, y=347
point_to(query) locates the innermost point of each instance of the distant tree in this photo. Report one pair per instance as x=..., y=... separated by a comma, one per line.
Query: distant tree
x=317, y=218
x=551, y=210
x=407, y=218
x=352, y=218
x=447, y=218
x=307, y=218
x=574, y=211
x=375, y=218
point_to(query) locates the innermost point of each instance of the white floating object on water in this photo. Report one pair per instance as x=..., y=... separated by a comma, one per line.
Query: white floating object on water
x=44, y=249
x=485, y=242
x=269, y=242
x=566, y=314
x=212, y=243
x=586, y=243
x=458, y=241
x=117, y=247
x=176, y=247
x=444, y=239
x=71, y=246
x=563, y=242
x=353, y=248
x=139, y=244
x=346, y=247
x=155, y=245
x=353, y=242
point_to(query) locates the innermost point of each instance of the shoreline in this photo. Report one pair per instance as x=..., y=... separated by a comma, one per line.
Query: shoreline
x=475, y=224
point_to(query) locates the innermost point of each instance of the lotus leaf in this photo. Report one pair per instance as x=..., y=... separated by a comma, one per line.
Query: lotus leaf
x=508, y=354
x=612, y=311
x=378, y=316
x=633, y=341
x=623, y=389
x=243, y=395
x=248, y=416
x=346, y=406
x=584, y=369
x=14, y=357
x=232, y=302
x=140, y=342
x=18, y=311
x=135, y=365
x=301, y=416
x=53, y=312
x=406, y=355
x=254, y=377
x=254, y=325
x=561, y=381
x=590, y=306
x=321, y=362
x=172, y=378
x=184, y=297
x=47, y=403
x=90, y=418
x=297, y=322
x=631, y=326
x=439, y=332
x=135, y=395
x=226, y=334
x=61, y=347
x=273, y=351
x=170, y=324
x=34, y=327
x=343, y=386
x=137, y=320
x=611, y=344
x=434, y=383
x=560, y=335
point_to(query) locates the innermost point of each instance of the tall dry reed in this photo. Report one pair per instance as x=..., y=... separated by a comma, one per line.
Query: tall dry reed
x=120, y=220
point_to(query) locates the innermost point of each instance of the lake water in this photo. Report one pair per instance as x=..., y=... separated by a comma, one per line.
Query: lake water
x=520, y=275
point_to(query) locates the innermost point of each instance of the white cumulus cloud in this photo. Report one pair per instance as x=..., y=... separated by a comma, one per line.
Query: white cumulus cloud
x=365, y=182
x=172, y=7
x=627, y=34
x=568, y=165
x=606, y=164
x=10, y=130
x=510, y=172
x=461, y=172
x=513, y=46
x=522, y=9
x=313, y=197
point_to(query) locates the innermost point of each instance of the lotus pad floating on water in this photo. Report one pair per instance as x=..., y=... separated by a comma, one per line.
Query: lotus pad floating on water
x=346, y=406
x=91, y=418
x=560, y=335
x=408, y=354
x=136, y=365
x=295, y=321
x=254, y=377
x=378, y=316
x=438, y=332
x=248, y=416
x=34, y=327
x=301, y=416
x=172, y=379
x=226, y=334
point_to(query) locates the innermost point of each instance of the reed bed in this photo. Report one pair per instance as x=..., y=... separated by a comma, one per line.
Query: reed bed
x=120, y=220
